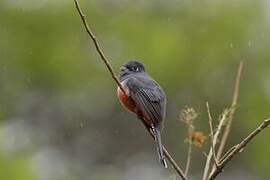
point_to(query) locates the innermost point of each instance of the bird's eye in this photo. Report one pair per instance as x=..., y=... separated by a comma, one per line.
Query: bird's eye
x=136, y=69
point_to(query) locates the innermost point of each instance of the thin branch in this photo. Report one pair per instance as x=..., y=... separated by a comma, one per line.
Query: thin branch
x=228, y=152
x=238, y=148
x=190, y=129
x=174, y=164
x=177, y=168
x=188, y=158
x=215, y=138
x=212, y=133
x=232, y=112
x=97, y=46
x=105, y=60
x=227, y=129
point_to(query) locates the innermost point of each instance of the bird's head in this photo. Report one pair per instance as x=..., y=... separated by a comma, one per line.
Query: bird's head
x=131, y=67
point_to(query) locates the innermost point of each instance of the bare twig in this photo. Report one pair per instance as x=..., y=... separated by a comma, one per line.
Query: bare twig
x=232, y=111
x=190, y=129
x=105, y=60
x=215, y=138
x=97, y=46
x=188, y=158
x=227, y=129
x=238, y=148
x=174, y=164
x=226, y=154
x=177, y=167
x=212, y=133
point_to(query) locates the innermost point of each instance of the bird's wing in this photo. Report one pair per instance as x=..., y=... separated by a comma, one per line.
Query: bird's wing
x=149, y=98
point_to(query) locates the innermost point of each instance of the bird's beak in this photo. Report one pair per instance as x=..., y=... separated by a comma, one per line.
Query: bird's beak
x=123, y=68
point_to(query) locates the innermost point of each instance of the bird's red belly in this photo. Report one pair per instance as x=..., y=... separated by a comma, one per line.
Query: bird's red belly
x=128, y=105
x=125, y=102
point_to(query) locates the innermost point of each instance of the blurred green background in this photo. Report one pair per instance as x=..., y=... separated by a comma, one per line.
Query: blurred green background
x=60, y=118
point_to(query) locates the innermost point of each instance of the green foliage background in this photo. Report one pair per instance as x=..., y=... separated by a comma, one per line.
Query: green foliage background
x=58, y=111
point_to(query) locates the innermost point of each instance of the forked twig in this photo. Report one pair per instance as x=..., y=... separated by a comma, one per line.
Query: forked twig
x=227, y=129
x=232, y=111
x=238, y=149
x=215, y=138
x=212, y=133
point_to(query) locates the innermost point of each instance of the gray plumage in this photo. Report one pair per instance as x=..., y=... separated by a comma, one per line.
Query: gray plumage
x=148, y=97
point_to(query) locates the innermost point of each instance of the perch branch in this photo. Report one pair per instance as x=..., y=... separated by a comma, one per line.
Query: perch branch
x=105, y=60
x=174, y=164
x=238, y=148
x=177, y=168
x=97, y=46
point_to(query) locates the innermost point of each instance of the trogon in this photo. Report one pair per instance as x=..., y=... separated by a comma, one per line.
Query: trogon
x=144, y=97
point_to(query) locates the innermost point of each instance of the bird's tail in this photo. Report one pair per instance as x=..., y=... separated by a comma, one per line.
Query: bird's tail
x=159, y=146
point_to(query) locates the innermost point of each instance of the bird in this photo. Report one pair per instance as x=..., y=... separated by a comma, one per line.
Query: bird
x=144, y=96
